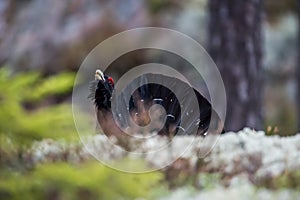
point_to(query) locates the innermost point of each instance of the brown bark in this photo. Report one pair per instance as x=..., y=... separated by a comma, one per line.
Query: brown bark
x=235, y=44
x=298, y=68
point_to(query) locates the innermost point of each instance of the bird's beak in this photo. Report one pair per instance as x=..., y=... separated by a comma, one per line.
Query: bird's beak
x=99, y=75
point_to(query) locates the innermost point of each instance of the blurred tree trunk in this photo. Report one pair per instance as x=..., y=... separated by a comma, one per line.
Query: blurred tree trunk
x=298, y=67
x=235, y=44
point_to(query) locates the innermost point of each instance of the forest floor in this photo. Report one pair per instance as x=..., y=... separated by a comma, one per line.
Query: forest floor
x=243, y=165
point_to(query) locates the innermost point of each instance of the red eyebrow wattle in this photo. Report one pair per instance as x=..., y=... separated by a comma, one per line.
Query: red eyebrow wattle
x=111, y=80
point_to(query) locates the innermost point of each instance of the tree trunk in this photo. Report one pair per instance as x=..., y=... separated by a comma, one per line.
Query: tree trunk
x=235, y=44
x=298, y=67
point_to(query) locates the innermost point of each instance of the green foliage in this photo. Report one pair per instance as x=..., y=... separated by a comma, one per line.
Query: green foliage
x=86, y=181
x=289, y=180
x=55, y=85
x=29, y=112
x=208, y=180
x=284, y=122
x=158, y=5
x=43, y=119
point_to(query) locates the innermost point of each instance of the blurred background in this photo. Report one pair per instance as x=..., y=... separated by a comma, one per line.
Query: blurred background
x=254, y=43
x=51, y=37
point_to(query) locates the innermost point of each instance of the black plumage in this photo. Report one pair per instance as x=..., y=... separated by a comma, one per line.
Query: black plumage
x=148, y=94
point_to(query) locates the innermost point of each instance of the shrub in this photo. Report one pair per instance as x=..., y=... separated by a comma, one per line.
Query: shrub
x=43, y=119
x=85, y=181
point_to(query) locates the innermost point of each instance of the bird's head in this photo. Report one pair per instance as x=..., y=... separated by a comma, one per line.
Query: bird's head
x=99, y=75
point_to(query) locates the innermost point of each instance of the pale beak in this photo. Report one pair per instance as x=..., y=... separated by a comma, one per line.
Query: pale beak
x=99, y=75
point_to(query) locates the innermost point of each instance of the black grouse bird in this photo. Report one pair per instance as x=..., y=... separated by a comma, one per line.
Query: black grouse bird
x=149, y=94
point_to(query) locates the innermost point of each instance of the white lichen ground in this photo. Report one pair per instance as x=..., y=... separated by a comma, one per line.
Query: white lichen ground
x=245, y=159
x=242, y=190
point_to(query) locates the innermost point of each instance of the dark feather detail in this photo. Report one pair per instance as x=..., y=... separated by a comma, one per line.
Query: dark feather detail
x=150, y=93
x=101, y=93
x=93, y=87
